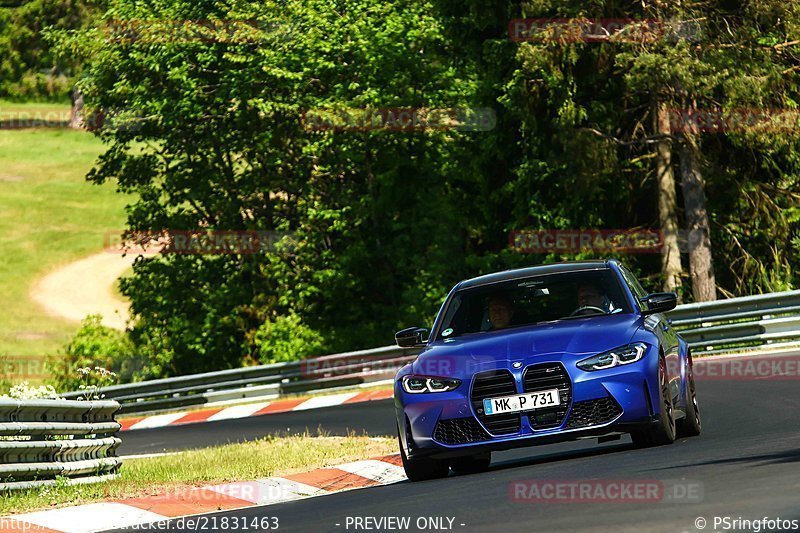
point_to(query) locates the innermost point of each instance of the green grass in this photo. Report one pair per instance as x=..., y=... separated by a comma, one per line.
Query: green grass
x=271, y=456
x=34, y=110
x=49, y=216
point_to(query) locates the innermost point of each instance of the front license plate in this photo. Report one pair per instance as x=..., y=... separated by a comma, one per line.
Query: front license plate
x=521, y=402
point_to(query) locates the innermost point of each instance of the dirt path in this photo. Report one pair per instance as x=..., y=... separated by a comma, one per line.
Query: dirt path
x=86, y=287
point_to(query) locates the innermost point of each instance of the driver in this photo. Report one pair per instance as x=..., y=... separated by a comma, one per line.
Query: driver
x=501, y=311
x=590, y=296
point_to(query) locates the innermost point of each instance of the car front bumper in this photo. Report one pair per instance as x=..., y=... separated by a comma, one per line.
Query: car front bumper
x=602, y=403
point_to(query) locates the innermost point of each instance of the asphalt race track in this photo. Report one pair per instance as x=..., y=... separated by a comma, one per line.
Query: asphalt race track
x=746, y=464
x=374, y=418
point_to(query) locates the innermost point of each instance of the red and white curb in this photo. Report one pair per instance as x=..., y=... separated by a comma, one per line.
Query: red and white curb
x=192, y=501
x=252, y=409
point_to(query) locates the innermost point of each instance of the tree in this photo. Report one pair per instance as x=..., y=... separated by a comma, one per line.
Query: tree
x=221, y=136
x=698, y=231
x=29, y=66
x=373, y=238
x=667, y=200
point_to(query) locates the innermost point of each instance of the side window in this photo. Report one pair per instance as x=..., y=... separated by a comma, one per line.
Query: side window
x=633, y=283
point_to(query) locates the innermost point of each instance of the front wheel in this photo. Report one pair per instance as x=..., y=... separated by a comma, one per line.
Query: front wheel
x=664, y=431
x=422, y=468
x=690, y=425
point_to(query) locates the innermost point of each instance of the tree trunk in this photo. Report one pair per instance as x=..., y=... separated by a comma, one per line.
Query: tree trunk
x=77, y=120
x=667, y=203
x=698, y=235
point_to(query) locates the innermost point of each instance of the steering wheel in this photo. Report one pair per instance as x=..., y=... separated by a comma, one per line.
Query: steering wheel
x=582, y=310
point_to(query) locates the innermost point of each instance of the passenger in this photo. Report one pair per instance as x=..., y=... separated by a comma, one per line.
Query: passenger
x=501, y=311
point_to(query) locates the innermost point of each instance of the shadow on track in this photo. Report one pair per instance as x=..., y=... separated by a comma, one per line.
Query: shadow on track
x=787, y=456
x=552, y=458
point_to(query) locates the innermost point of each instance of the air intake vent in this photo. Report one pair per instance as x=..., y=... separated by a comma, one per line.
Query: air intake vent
x=593, y=413
x=459, y=431
x=543, y=377
x=491, y=385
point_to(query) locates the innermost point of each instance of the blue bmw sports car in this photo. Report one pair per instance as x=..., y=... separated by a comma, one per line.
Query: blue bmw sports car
x=541, y=355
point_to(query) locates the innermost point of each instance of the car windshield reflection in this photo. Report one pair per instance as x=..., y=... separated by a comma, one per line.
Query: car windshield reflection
x=533, y=301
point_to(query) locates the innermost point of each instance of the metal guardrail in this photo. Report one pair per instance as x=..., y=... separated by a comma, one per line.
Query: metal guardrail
x=710, y=328
x=737, y=324
x=350, y=369
x=42, y=440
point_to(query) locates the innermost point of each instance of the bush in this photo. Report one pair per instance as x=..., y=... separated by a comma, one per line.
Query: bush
x=287, y=339
x=96, y=347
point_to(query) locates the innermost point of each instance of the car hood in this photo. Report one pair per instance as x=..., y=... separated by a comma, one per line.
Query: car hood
x=480, y=351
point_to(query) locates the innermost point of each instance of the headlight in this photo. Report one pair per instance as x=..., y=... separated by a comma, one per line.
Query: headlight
x=420, y=384
x=624, y=355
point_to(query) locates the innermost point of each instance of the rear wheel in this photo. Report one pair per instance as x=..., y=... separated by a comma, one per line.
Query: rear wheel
x=690, y=425
x=471, y=464
x=422, y=468
x=664, y=431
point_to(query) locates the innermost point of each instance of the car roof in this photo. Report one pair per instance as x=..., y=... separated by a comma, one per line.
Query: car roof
x=518, y=273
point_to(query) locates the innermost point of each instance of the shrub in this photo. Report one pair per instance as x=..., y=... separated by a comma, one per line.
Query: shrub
x=96, y=347
x=287, y=339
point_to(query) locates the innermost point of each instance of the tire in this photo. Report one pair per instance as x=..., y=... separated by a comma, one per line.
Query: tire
x=472, y=464
x=664, y=431
x=422, y=468
x=690, y=425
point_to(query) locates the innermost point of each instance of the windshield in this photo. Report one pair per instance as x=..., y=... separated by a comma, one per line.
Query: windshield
x=532, y=300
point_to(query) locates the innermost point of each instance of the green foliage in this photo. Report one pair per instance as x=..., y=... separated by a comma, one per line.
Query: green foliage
x=29, y=66
x=92, y=350
x=287, y=339
x=585, y=137
x=385, y=222
x=225, y=148
x=740, y=63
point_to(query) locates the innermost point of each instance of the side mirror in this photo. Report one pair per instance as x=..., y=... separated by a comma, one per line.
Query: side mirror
x=659, y=302
x=411, y=337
